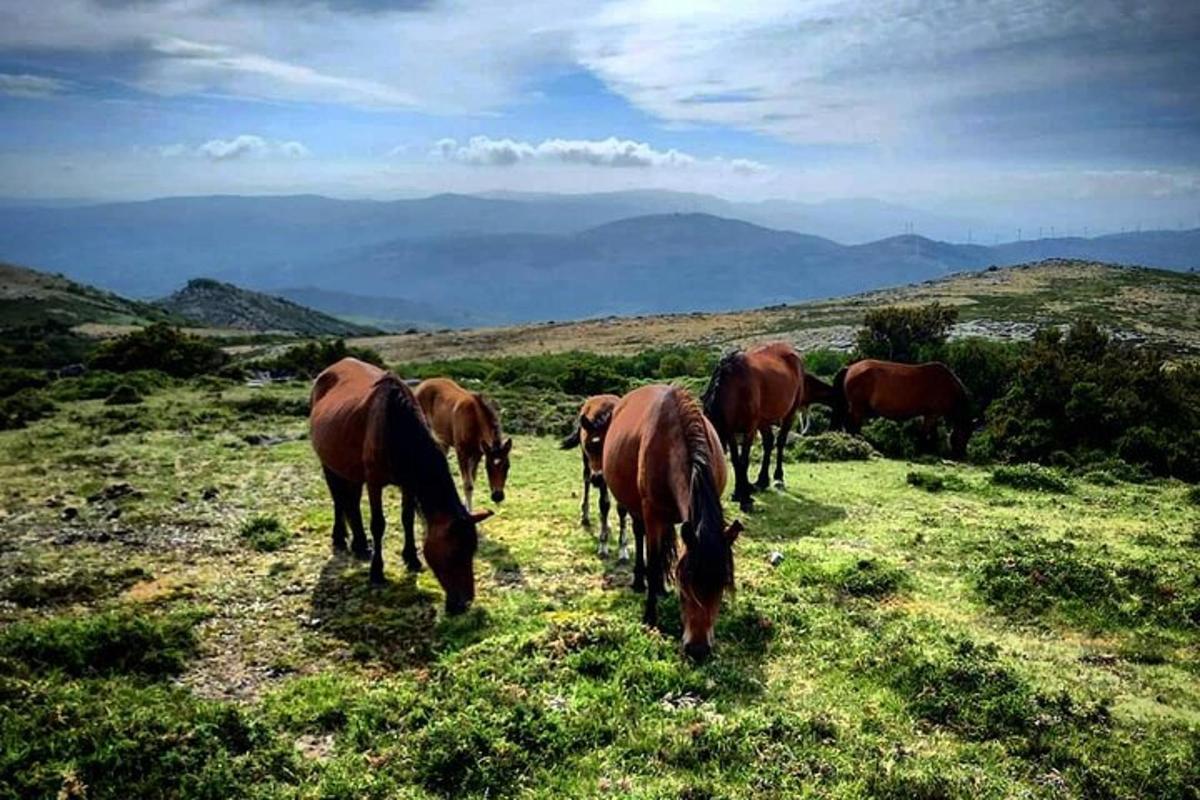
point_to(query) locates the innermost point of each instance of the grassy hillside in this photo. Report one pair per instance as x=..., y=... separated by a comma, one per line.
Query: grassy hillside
x=29, y=297
x=178, y=627
x=1158, y=306
x=215, y=304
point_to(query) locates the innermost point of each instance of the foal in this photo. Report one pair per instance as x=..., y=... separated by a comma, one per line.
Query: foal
x=467, y=422
x=594, y=417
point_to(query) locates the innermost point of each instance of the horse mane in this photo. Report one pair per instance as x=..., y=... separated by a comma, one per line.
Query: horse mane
x=732, y=363
x=489, y=414
x=415, y=461
x=709, y=562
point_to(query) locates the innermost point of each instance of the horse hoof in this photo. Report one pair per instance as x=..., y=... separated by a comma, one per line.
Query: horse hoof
x=362, y=553
x=623, y=555
x=339, y=547
x=585, y=522
x=747, y=506
x=414, y=565
x=378, y=580
x=779, y=483
x=602, y=552
x=639, y=587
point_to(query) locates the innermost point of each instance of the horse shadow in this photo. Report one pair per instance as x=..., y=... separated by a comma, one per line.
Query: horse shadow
x=782, y=515
x=506, y=570
x=395, y=623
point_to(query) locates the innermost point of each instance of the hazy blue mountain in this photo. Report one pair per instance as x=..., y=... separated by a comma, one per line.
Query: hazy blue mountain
x=390, y=313
x=462, y=260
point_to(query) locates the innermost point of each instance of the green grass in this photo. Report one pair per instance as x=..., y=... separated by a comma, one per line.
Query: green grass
x=979, y=640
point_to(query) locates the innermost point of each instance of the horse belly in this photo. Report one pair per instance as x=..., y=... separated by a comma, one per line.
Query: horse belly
x=780, y=388
x=337, y=437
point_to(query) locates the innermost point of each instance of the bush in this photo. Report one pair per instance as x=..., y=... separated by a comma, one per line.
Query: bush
x=894, y=439
x=43, y=345
x=871, y=578
x=265, y=534
x=161, y=347
x=271, y=405
x=1193, y=495
x=100, y=644
x=904, y=333
x=934, y=482
x=308, y=359
x=1033, y=477
x=14, y=379
x=124, y=395
x=24, y=407
x=834, y=446
x=99, y=384
x=825, y=361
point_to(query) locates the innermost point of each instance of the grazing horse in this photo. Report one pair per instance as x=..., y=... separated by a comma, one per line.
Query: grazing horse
x=815, y=391
x=367, y=427
x=662, y=461
x=748, y=393
x=467, y=422
x=895, y=391
x=588, y=436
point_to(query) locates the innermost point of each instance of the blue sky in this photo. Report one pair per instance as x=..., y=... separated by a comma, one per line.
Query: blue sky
x=1090, y=109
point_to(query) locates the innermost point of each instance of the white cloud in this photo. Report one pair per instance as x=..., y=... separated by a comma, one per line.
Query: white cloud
x=26, y=85
x=610, y=152
x=243, y=146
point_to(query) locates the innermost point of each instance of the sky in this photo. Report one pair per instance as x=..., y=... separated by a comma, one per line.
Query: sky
x=1016, y=111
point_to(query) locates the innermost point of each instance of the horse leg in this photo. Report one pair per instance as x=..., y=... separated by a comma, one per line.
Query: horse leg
x=467, y=466
x=358, y=544
x=785, y=428
x=743, y=472
x=407, y=514
x=639, y=562
x=655, y=533
x=604, y=506
x=622, y=548
x=378, y=524
x=587, y=484
x=735, y=459
x=768, y=444
x=337, y=491
x=929, y=432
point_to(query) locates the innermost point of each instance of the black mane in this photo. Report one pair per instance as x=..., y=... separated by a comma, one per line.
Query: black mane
x=416, y=462
x=708, y=563
x=731, y=363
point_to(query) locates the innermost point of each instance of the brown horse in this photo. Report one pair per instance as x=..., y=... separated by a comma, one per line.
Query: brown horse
x=816, y=391
x=895, y=391
x=663, y=462
x=367, y=427
x=467, y=422
x=594, y=416
x=748, y=393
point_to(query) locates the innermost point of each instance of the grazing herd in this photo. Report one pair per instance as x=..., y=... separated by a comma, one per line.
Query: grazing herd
x=658, y=452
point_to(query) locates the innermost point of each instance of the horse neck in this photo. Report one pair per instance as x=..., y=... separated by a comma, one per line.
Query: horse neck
x=417, y=464
x=703, y=505
x=488, y=422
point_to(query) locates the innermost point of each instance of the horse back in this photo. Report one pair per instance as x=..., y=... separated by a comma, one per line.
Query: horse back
x=339, y=415
x=778, y=376
x=902, y=391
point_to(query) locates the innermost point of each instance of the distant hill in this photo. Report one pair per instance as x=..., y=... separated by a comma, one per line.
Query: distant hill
x=29, y=297
x=453, y=260
x=1154, y=306
x=208, y=303
x=389, y=313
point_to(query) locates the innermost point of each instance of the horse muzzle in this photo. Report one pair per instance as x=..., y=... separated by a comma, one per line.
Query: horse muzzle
x=697, y=651
x=498, y=496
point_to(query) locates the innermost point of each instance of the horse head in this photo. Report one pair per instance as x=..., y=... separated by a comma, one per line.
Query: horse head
x=495, y=461
x=591, y=435
x=450, y=543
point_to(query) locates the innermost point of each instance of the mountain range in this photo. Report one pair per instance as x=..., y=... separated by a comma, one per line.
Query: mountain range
x=461, y=260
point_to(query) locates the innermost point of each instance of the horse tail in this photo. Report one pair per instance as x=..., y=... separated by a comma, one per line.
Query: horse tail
x=838, y=418
x=709, y=561
x=731, y=363
x=572, y=441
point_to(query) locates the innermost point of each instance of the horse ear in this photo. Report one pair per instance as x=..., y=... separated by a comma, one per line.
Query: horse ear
x=688, y=534
x=507, y=446
x=586, y=424
x=480, y=516
x=731, y=533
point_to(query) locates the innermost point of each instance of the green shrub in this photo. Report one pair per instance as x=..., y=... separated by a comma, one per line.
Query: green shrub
x=80, y=586
x=123, y=395
x=113, y=642
x=265, y=534
x=870, y=577
x=24, y=407
x=904, y=333
x=308, y=359
x=894, y=439
x=271, y=405
x=41, y=345
x=833, y=446
x=14, y=379
x=824, y=361
x=98, y=384
x=1193, y=495
x=1033, y=477
x=160, y=347
x=933, y=481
